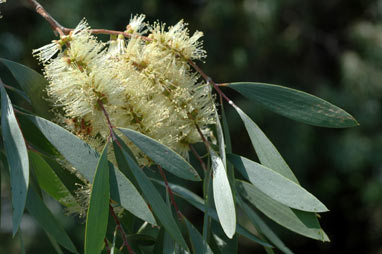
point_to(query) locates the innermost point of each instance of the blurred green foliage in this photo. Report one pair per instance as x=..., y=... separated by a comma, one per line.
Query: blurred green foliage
x=332, y=49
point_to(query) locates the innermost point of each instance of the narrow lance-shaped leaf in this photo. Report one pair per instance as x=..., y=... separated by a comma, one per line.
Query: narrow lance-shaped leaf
x=19, y=92
x=162, y=155
x=85, y=159
x=223, y=198
x=55, y=245
x=49, y=181
x=160, y=209
x=17, y=156
x=98, y=211
x=301, y=222
x=198, y=203
x=45, y=218
x=199, y=245
x=262, y=227
x=295, y=104
x=168, y=244
x=220, y=135
x=228, y=245
x=265, y=150
x=21, y=243
x=32, y=83
x=277, y=186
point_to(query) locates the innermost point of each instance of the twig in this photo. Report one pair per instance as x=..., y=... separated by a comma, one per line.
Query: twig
x=107, y=245
x=170, y=193
x=209, y=80
x=205, y=141
x=199, y=158
x=100, y=104
x=124, y=238
x=52, y=22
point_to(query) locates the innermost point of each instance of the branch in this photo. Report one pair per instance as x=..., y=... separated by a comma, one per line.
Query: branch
x=124, y=238
x=199, y=158
x=57, y=27
x=170, y=193
x=209, y=80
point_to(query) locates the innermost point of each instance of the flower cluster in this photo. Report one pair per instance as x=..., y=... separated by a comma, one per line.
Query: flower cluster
x=143, y=83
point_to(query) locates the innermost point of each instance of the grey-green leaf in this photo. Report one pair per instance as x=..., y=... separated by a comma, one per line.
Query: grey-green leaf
x=162, y=155
x=19, y=92
x=45, y=218
x=301, y=222
x=295, y=104
x=17, y=156
x=265, y=150
x=32, y=83
x=263, y=228
x=98, y=211
x=199, y=203
x=85, y=159
x=49, y=181
x=160, y=209
x=277, y=186
x=223, y=198
x=197, y=241
x=220, y=137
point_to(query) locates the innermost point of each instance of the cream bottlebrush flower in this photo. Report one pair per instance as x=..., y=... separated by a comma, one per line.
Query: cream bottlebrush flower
x=136, y=24
x=117, y=47
x=177, y=39
x=144, y=86
x=1, y=2
x=45, y=53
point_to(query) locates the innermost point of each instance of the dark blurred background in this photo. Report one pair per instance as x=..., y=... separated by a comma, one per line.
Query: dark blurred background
x=332, y=49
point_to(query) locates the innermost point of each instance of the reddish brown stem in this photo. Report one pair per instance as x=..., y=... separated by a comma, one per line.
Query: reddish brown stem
x=100, y=104
x=205, y=141
x=209, y=80
x=199, y=158
x=52, y=22
x=107, y=245
x=123, y=234
x=170, y=193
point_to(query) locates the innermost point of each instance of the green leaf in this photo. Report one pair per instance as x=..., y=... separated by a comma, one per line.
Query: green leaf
x=35, y=138
x=85, y=159
x=45, y=218
x=198, y=203
x=160, y=209
x=220, y=137
x=3, y=165
x=221, y=242
x=168, y=244
x=223, y=198
x=263, y=228
x=22, y=247
x=49, y=181
x=17, y=156
x=71, y=181
x=265, y=150
x=55, y=245
x=297, y=105
x=303, y=223
x=199, y=245
x=98, y=211
x=142, y=239
x=22, y=94
x=162, y=155
x=76, y=152
x=277, y=186
x=33, y=84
